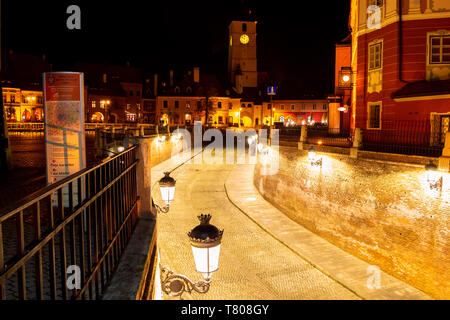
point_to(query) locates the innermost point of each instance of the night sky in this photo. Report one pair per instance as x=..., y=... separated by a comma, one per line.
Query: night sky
x=296, y=40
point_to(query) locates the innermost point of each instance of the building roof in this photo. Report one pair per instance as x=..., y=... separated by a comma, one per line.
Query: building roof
x=93, y=73
x=25, y=71
x=422, y=89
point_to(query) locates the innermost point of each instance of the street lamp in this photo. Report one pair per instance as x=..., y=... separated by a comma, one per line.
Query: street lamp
x=434, y=177
x=313, y=158
x=167, y=188
x=205, y=241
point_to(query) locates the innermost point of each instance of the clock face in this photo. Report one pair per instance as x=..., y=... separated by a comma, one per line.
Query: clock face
x=245, y=39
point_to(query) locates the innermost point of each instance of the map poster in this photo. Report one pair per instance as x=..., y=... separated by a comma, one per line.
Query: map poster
x=64, y=124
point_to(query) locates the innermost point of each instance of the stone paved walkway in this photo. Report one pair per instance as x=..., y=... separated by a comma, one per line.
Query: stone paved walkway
x=253, y=264
x=265, y=255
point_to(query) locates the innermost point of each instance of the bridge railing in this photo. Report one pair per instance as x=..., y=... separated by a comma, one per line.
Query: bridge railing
x=77, y=226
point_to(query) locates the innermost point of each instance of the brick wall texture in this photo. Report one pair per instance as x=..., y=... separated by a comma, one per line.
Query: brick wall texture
x=383, y=213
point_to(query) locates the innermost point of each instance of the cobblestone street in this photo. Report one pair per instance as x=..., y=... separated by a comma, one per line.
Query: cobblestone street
x=253, y=265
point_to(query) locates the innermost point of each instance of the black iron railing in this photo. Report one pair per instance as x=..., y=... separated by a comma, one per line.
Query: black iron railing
x=410, y=137
x=330, y=136
x=85, y=221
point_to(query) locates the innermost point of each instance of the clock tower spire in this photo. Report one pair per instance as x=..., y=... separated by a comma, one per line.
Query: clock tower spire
x=242, y=55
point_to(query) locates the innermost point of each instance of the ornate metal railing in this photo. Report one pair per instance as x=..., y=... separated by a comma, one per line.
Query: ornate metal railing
x=84, y=221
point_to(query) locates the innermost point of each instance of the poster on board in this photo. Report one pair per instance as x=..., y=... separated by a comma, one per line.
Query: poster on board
x=64, y=124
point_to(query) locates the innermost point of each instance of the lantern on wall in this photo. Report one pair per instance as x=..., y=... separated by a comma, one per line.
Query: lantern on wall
x=167, y=188
x=434, y=176
x=345, y=78
x=205, y=242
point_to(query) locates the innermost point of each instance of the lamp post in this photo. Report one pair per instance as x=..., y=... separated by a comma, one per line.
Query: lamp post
x=205, y=241
x=434, y=177
x=167, y=189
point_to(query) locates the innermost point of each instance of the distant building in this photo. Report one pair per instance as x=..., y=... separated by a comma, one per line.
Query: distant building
x=22, y=87
x=241, y=99
x=113, y=93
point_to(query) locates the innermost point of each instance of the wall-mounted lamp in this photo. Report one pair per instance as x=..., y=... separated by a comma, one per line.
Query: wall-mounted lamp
x=434, y=176
x=314, y=158
x=345, y=78
x=167, y=188
x=205, y=241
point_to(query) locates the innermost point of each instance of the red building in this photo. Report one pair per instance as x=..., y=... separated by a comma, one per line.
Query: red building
x=400, y=66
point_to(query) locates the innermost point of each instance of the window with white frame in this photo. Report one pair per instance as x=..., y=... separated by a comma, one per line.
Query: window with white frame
x=374, y=116
x=314, y=106
x=375, y=51
x=440, y=49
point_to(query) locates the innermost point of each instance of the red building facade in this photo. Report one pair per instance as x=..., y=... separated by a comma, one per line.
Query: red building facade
x=401, y=65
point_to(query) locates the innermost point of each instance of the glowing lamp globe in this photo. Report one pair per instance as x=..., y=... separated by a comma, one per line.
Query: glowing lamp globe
x=205, y=241
x=346, y=78
x=167, y=188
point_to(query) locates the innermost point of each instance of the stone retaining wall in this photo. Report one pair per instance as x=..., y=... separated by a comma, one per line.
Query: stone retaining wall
x=383, y=213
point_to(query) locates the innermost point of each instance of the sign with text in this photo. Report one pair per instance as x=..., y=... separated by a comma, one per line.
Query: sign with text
x=64, y=124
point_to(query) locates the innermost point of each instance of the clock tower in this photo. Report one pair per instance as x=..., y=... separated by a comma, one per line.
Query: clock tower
x=242, y=53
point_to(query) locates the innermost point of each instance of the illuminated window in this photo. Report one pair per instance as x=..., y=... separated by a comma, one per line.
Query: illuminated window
x=375, y=56
x=102, y=104
x=374, y=116
x=188, y=104
x=440, y=49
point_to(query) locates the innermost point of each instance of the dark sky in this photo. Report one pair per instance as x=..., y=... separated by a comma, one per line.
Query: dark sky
x=296, y=40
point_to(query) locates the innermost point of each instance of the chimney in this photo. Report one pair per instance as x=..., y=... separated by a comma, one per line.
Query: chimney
x=196, y=74
x=171, y=78
x=155, y=84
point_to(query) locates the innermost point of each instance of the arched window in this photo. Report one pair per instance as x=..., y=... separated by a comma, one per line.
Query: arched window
x=249, y=105
x=188, y=90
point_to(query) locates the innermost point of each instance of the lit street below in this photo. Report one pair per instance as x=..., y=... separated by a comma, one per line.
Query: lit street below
x=253, y=265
